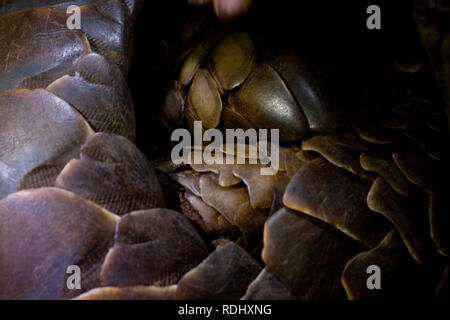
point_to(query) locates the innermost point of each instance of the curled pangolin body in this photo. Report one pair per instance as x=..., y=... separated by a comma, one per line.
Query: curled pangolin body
x=362, y=180
x=364, y=162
